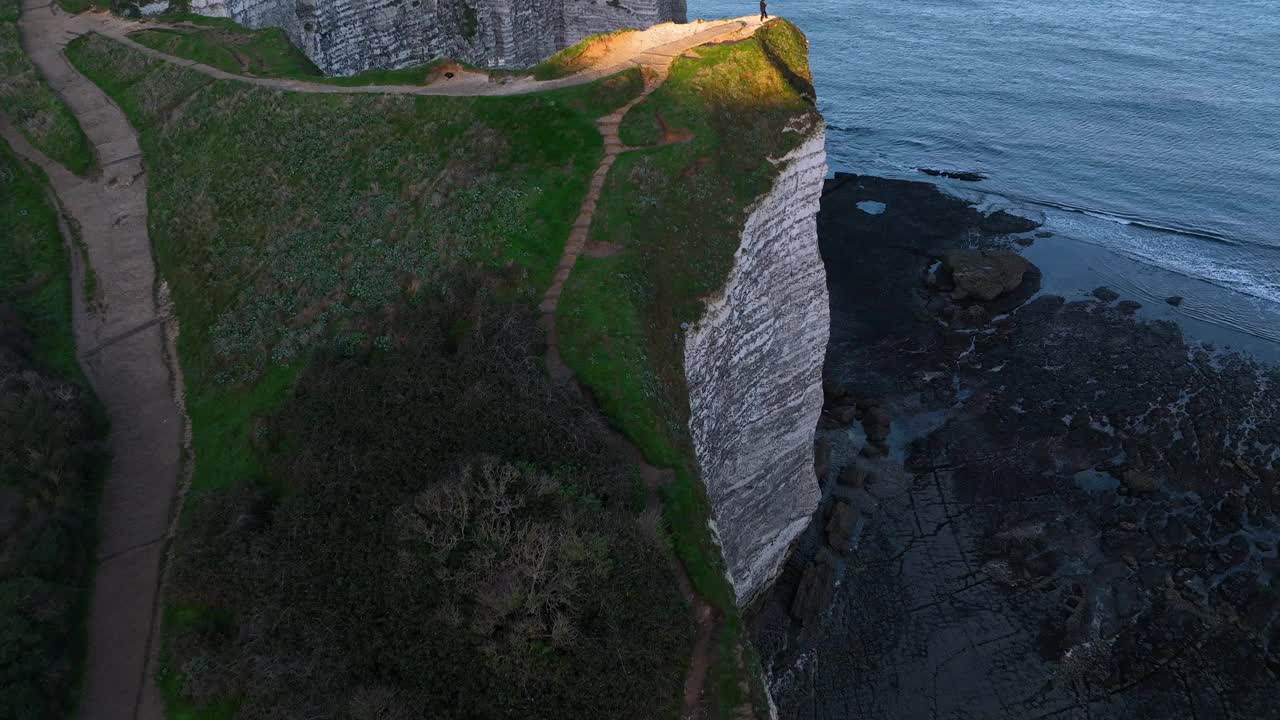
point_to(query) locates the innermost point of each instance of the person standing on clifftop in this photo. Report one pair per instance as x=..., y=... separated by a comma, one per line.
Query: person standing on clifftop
x=764, y=15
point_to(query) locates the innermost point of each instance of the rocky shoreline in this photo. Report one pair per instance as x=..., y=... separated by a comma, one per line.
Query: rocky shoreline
x=1031, y=506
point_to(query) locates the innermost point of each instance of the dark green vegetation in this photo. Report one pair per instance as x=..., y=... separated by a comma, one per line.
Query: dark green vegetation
x=79, y=6
x=394, y=514
x=577, y=56
x=35, y=279
x=678, y=211
x=32, y=106
x=223, y=44
x=49, y=459
x=444, y=534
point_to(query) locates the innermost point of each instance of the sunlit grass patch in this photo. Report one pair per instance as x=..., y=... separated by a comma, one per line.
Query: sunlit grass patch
x=577, y=56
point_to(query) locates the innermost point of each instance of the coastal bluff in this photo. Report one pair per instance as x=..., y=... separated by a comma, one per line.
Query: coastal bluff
x=344, y=37
x=754, y=369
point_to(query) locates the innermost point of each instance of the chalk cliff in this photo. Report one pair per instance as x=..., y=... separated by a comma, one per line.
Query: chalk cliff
x=343, y=37
x=754, y=370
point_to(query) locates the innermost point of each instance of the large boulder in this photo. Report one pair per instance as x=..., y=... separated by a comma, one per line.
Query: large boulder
x=984, y=274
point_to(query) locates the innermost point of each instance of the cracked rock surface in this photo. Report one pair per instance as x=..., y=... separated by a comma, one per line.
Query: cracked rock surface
x=1075, y=513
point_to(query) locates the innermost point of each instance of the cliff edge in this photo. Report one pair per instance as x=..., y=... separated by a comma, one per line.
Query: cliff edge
x=754, y=369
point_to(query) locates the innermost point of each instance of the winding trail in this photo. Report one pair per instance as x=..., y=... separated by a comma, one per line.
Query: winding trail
x=125, y=334
x=654, y=478
x=121, y=337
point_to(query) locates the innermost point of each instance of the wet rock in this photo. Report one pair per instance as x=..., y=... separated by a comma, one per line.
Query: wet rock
x=954, y=174
x=871, y=451
x=1138, y=482
x=1025, y=241
x=854, y=475
x=974, y=316
x=1128, y=307
x=843, y=415
x=1174, y=300
x=984, y=274
x=875, y=423
x=1004, y=223
x=864, y=502
x=842, y=526
x=1044, y=234
x=833, y=391
x=817, y=584
x=821, y=458
x=1105, y=294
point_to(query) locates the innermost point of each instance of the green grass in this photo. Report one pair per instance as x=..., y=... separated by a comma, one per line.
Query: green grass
x=290, y=225
x=227, y=46
x=35, y=275
x=32, y=106
x=79, y=6
x=50, y=461
x=573, y=58
x=678, y=211
x=267, y=206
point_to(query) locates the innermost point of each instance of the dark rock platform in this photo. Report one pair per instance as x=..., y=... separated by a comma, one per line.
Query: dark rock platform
x=1033, y=508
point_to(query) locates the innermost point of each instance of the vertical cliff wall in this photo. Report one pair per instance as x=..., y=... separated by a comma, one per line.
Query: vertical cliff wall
x=343, y=37
x=754, y=371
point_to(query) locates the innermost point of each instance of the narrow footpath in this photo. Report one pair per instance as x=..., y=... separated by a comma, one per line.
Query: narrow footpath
x=125, y=336
x=654, y=478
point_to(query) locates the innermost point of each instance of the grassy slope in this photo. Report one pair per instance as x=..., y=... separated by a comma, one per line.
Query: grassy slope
x=48, y=426
x=268, y=207
x=37, y=112
x=79, y=6
x=677, y=211
x=35, y=276
x=571, y=59
x=221, y=43
x=287, y=223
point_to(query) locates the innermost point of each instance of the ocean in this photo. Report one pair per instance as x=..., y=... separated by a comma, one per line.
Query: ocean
x=1144, y=133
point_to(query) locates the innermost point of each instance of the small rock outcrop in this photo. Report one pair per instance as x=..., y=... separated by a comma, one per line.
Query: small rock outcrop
x=343, y=37
x=754, y=371
x=984, y=274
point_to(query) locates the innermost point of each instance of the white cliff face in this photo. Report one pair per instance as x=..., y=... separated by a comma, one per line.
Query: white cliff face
x=343, y=37
x=754, y=371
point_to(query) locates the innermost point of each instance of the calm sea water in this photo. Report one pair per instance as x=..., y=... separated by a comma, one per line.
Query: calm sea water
x=1148, y=129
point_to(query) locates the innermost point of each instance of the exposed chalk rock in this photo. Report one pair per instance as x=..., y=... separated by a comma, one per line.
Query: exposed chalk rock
x=754, y=370
x=343, y=37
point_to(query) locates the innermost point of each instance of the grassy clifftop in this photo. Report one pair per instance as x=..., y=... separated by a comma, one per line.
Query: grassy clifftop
x=395, y=513
x=677, y=212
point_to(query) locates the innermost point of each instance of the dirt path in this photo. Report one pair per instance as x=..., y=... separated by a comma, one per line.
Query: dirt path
x=655, y=47
x=654, y=478
x=122, y=348
x=126, y=342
